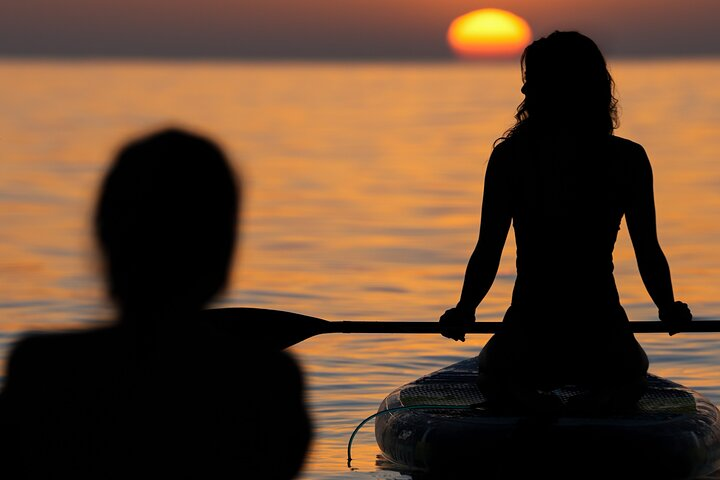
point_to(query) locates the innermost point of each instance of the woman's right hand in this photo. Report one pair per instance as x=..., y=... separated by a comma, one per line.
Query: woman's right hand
x=676, y=316
x=455, y=323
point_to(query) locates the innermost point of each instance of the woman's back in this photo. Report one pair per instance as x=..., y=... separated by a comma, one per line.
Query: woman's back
x=567, y=198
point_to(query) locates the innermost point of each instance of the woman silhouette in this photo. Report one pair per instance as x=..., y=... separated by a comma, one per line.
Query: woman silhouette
x=564, y=182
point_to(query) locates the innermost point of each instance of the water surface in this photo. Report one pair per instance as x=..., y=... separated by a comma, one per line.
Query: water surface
x=363, y=187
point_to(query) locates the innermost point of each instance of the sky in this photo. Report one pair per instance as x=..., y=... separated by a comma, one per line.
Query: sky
x=307, y=29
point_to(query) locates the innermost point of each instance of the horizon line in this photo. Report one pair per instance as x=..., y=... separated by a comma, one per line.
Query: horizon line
x=170, y=58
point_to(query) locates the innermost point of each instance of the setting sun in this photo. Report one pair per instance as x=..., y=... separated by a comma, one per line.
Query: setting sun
x=488, y=33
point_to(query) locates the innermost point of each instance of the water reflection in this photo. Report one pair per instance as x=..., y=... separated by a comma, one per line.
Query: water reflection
x=374, y=217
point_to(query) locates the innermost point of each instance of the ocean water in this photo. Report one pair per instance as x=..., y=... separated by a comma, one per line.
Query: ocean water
x=362, y=184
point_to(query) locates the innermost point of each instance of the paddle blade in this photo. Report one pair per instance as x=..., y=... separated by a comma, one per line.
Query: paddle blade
x=272, y=328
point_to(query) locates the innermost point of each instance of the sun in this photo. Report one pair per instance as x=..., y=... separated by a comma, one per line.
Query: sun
x=488, y=33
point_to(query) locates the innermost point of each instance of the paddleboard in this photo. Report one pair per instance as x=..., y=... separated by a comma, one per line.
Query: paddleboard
x=673, y=434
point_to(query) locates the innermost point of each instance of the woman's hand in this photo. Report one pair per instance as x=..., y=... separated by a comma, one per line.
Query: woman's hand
x=455, y=323
x=676, y=316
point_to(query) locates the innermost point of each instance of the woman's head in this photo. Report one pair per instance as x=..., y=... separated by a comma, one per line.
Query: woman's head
x=566, y=83
x=166, y=221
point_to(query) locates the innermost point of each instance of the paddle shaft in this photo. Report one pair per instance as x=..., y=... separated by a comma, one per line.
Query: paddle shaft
x=280, y=329
x=493, y=327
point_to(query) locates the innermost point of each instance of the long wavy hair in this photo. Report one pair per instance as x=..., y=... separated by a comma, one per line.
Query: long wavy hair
x=566, y=82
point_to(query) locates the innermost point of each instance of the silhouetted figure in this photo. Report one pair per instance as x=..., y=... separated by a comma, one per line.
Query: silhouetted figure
x=564, y=182
x=161, y=394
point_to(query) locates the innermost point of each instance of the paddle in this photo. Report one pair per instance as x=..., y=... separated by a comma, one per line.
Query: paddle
x=283, y=329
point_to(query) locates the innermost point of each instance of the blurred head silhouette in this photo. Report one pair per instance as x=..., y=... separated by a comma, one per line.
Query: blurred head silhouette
x=166, y=222
x=567, y=85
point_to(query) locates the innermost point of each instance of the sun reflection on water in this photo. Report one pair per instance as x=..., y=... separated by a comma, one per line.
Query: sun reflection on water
x=363, y=197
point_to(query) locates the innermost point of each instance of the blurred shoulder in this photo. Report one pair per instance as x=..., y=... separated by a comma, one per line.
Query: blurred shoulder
x=260, y=361
x=67, y=340
x=289, y=364
x=281, y=367
x=51, y=350
x=45, y=365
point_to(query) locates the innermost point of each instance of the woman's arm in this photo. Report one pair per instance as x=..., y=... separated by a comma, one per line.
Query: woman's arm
x=483, y=265
x=495, y=223
x=652, y=264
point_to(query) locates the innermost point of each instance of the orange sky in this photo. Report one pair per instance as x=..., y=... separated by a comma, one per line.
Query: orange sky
x=332, y=28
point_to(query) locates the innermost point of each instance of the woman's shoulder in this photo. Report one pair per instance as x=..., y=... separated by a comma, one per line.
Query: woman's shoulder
x=504, y=145
x=630, y=156
x=626, y=146
x=506, y=150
